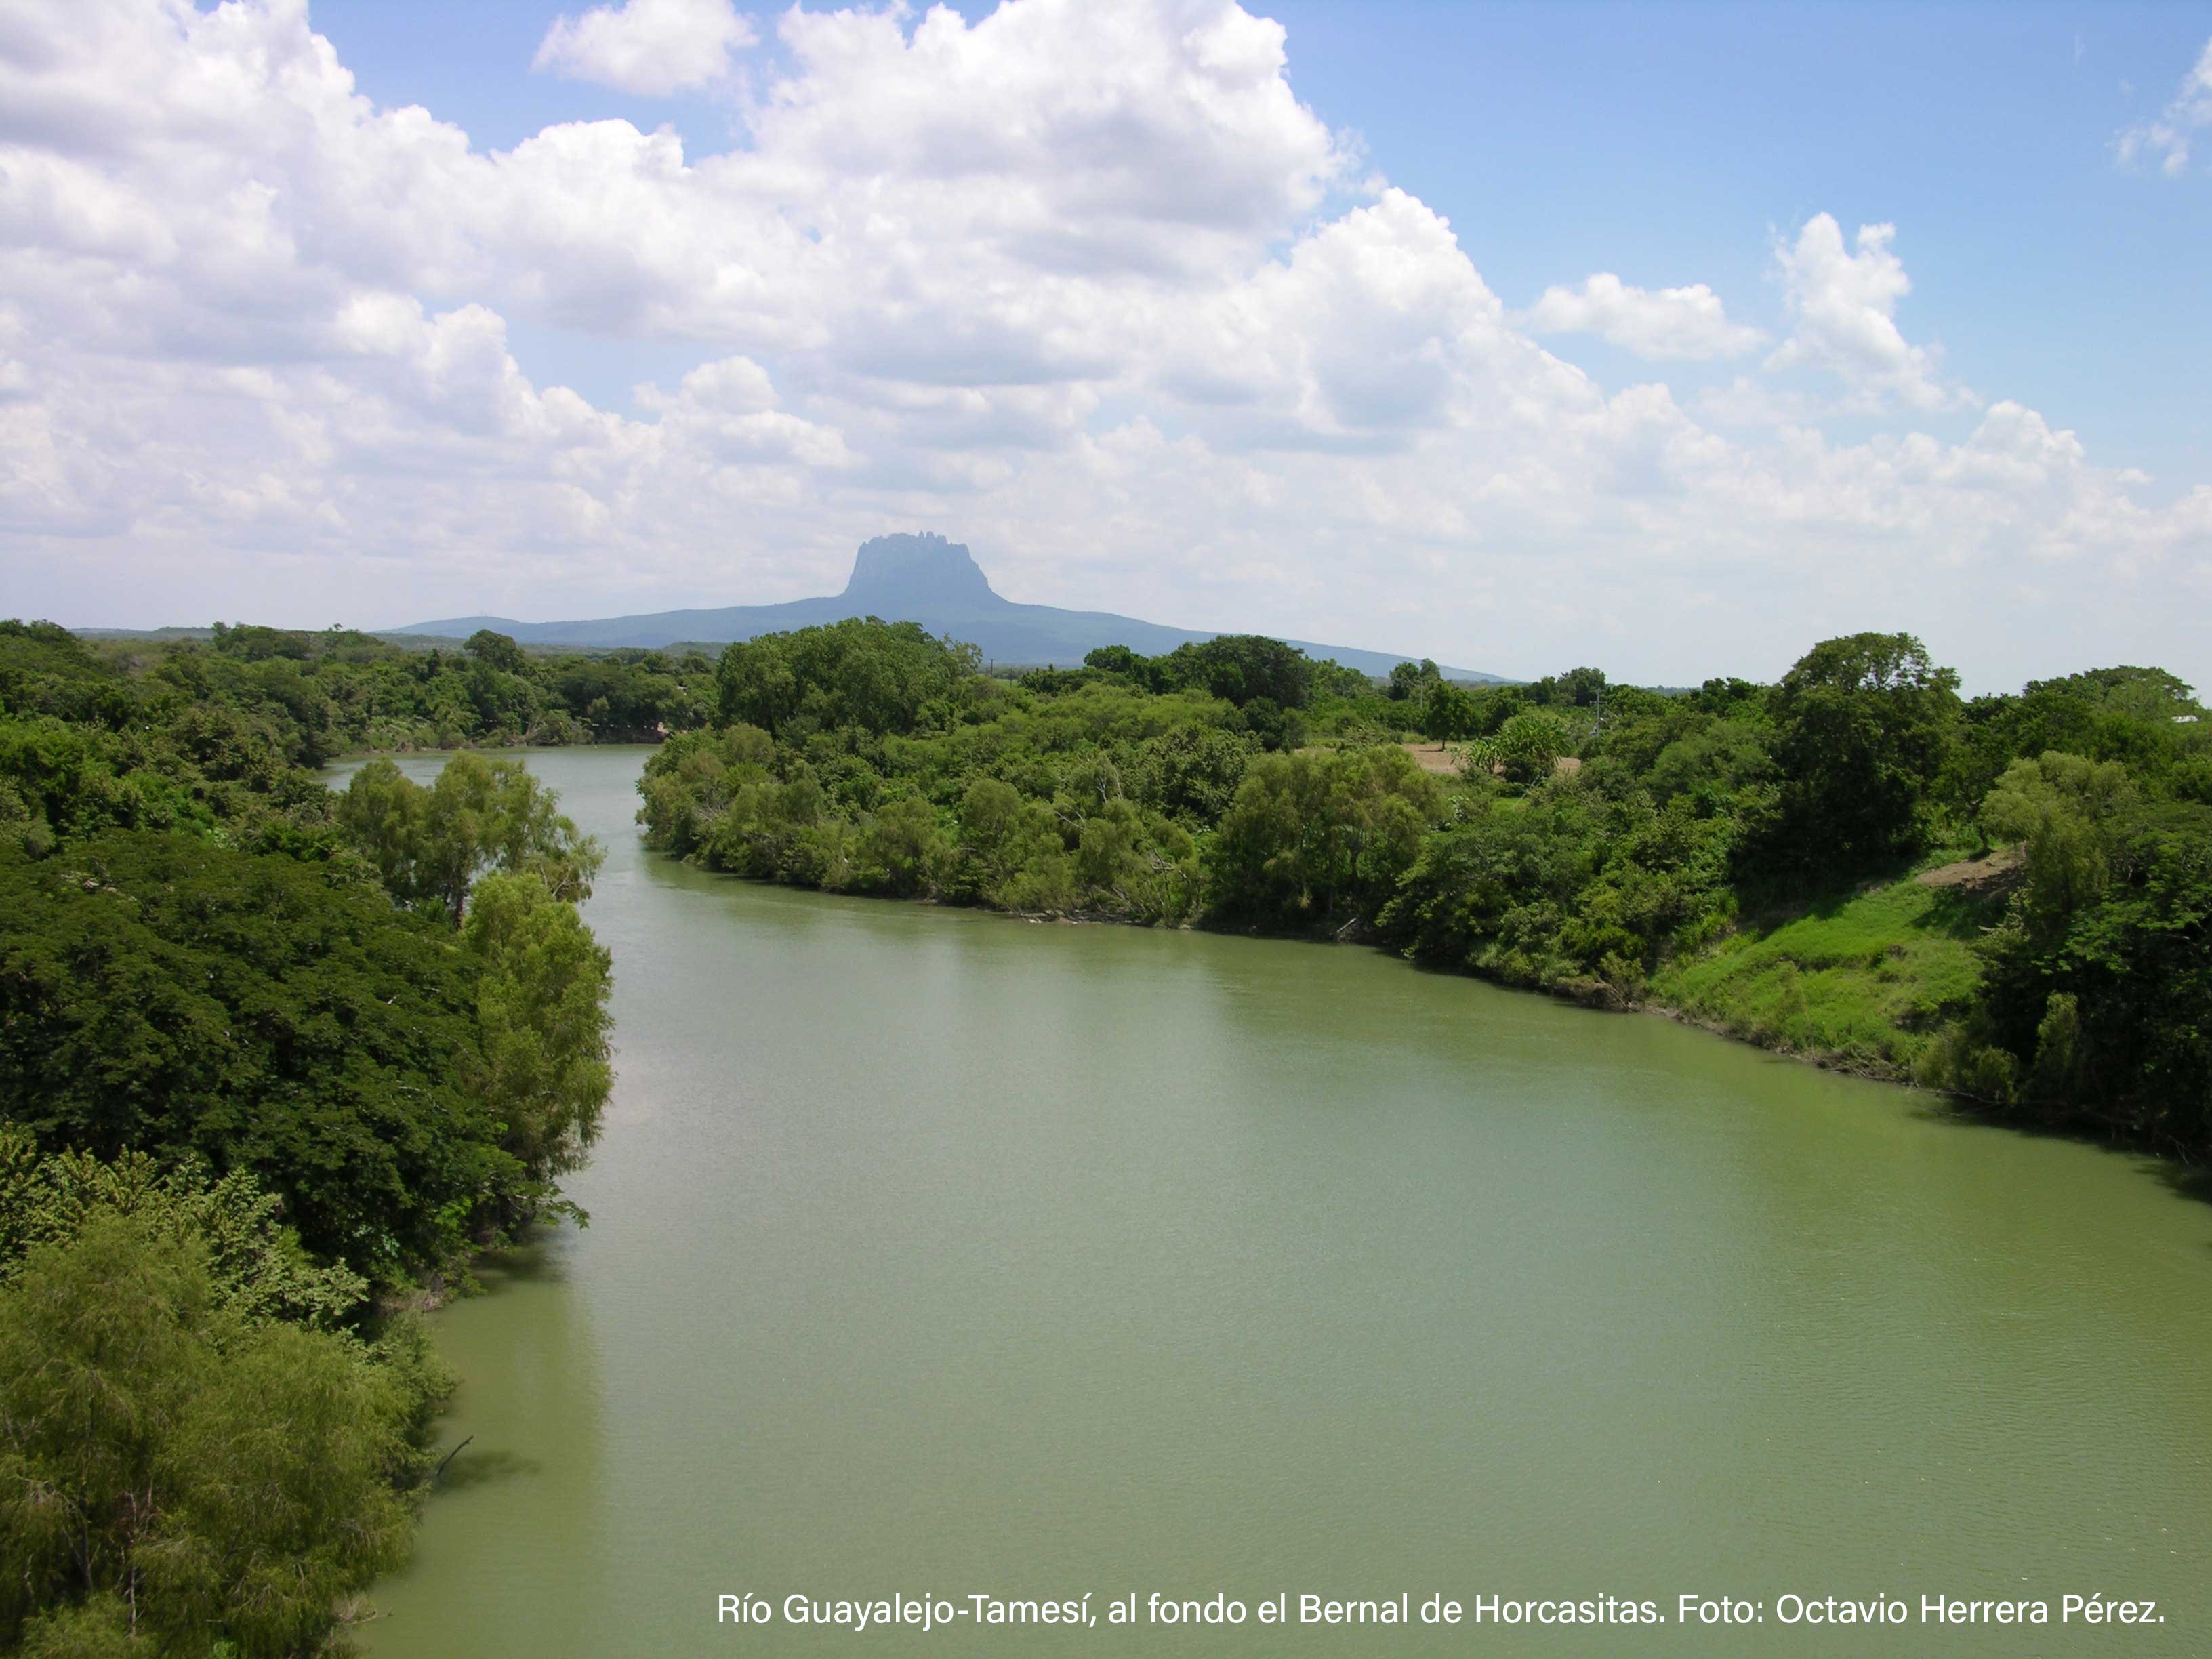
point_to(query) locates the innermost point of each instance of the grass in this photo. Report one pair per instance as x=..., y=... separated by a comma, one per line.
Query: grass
x=1863, y=980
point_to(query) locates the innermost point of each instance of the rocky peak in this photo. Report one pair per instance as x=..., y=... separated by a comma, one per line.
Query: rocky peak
x=906, y=575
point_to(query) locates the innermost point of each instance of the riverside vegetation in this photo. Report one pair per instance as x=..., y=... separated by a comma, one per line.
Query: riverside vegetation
x=274, y=1063
x=316, y=695
x=1745, y=854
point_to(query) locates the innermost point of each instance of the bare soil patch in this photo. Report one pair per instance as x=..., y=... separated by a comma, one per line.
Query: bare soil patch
x=1986, y=874
x=1440, y=759
x=1433, y=757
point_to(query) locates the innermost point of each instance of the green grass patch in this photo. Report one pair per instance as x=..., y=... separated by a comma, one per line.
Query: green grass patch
x=1865, y=980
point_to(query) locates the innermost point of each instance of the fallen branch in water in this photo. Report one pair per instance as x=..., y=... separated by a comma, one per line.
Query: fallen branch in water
x=440, y=1473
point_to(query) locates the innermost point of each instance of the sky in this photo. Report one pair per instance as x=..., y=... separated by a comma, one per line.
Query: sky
x=1672, y=338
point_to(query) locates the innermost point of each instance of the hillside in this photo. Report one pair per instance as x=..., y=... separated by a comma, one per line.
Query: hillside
x=923, y=579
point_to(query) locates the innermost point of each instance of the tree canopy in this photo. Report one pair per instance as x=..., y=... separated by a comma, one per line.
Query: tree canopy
x=1863, y=730
x=431, y=844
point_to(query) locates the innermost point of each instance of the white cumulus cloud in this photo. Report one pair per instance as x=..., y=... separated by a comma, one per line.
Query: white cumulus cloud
x=2168, y=134
x=1682, y=324
x=1842, y=304
x=653, y=47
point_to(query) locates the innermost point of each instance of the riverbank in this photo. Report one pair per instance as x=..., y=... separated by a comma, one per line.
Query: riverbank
x=1714, y=853
x=1863, y=983
x=1859, y=986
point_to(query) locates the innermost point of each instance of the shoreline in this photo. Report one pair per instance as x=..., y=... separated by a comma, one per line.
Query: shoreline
x=1596, y=997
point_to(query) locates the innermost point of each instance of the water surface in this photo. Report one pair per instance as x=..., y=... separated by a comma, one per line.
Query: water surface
x=936, y=1252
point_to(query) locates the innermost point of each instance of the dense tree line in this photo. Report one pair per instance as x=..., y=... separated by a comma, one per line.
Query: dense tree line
x=1591, y=838
x=249, y=703
x=273, y=1061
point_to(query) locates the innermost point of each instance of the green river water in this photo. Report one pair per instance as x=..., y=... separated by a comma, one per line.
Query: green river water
x=936, y=1253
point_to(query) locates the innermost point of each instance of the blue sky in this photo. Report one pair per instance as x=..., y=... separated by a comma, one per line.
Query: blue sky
x=1155, y=324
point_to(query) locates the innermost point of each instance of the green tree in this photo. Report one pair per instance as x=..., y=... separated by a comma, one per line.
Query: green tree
x=166, y=1467
x=901, y=847
x=2096, y=991
x=256, y=1263
x=1190, y=771
x=1527, y=748
x=162, y=994
x=1411, y=681
x=542, y=1013
x=1311, y=836
x=1240, y=667
x=497, y=651
x=1448, y=713
x=1121, y=659
x=1864, y=726
x=878, y=676
x=429, y=846
x=2060, y=807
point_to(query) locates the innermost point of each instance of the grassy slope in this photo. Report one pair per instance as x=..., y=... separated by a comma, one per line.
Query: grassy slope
x=1863, y=981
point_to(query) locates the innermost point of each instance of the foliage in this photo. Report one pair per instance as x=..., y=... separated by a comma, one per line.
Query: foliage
x=542, y=1016
x=163, y=994
x=1586, y=885
x=880, y=676
x=1527, y=748
x=256, y=1265
x=2098, y=1005
x=1863, y=730
x=272, y=698
x=170, y=1468
x=1411, y=682
x=430, y=845
x=242, y=1083
x=1320, y=837
x=1071, y=800
x=1448, y=713
x=1240, y=669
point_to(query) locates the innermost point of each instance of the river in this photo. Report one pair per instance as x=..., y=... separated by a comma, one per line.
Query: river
x=936, y=1252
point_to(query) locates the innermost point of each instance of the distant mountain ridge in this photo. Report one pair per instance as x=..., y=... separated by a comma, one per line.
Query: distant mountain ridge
x=920, y=578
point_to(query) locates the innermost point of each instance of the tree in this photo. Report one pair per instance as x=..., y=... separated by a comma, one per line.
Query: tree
x=2098, y=985
x=1191, y=771
x=1311, y=835
x=255, y=1262
x=2060, y=806
x=166, y=1468
x=497, y=651
x=541, y=1010
x=1448, y=713
x=901, y=846
x=1528, y=747
x=1410, y=682
x=1240, y=667
x=1864, y=729
x=1118, y=659
x=430, y=845
x=162, y=994
x=1578, y=688
x=877, y=675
